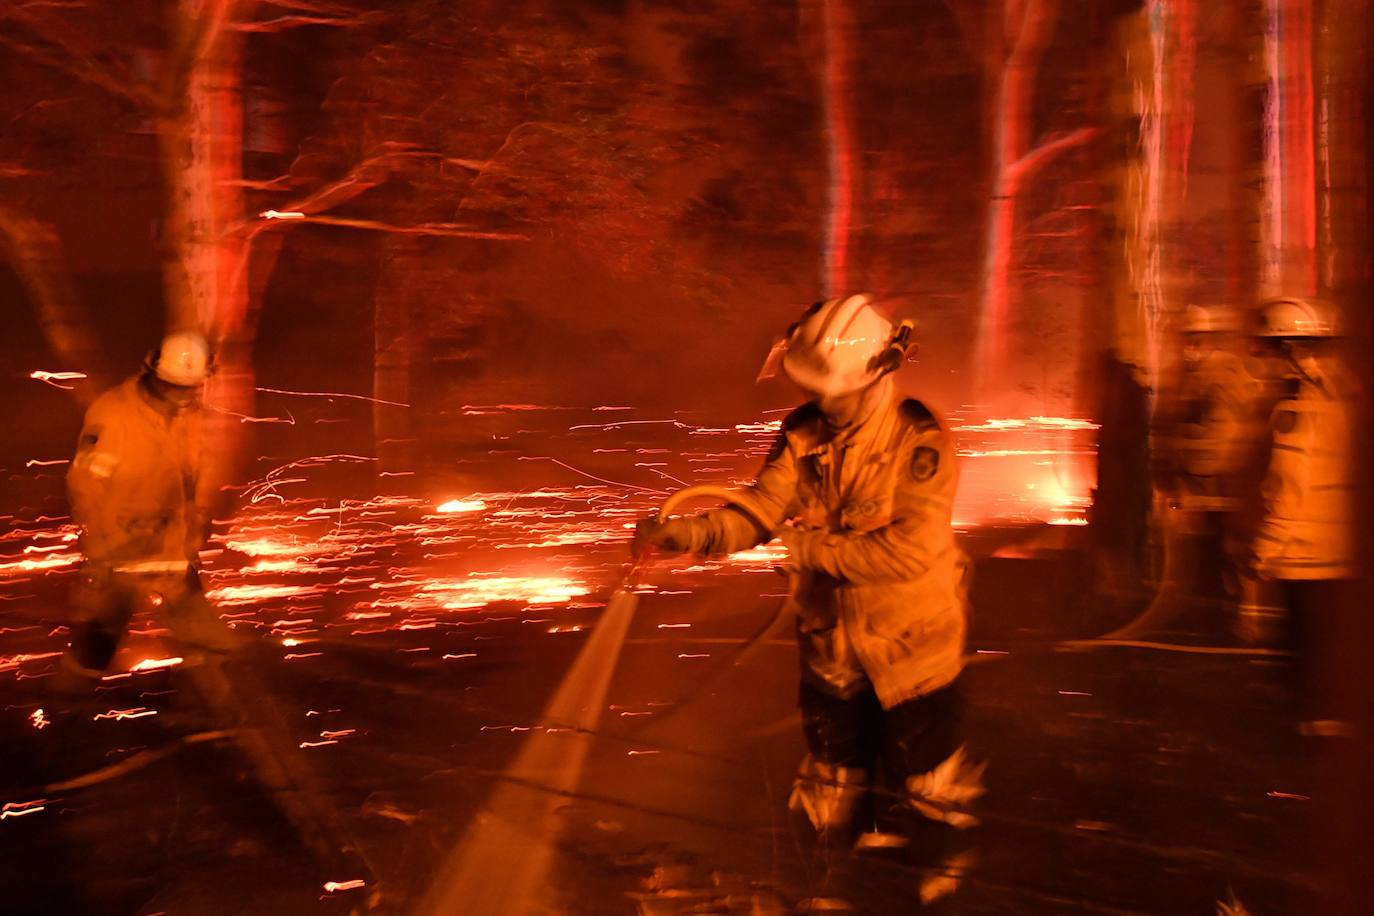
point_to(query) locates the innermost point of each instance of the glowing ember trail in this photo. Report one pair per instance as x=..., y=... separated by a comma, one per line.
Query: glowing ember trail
x=478, y=592
x=461, y=505
x=157, y=664
x=20, y=809
x=430, y=580
x=55, y=378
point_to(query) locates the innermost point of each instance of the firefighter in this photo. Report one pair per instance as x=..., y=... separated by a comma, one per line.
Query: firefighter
x=859, y=487
x=143, y=504
x=136, y=493
x=1303, y=548
x=1218, y=430
x=1212, y=445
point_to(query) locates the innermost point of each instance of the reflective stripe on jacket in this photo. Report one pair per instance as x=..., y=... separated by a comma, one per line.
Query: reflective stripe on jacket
x=132, y=483
x=878, y=582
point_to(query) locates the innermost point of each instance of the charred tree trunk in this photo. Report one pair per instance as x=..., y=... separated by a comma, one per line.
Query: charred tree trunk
x=1024, y=30
x=1288, y=223
x=837, y=26
x=393, y=349
x=827, y=35
x=36, y=254
x=206, y=258
x=1344, y=85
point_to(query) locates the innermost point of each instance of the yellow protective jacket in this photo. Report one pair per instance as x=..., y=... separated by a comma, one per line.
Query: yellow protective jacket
x=878, y=581
x=1307, y=531
x=133, y=483
x=1226, y=420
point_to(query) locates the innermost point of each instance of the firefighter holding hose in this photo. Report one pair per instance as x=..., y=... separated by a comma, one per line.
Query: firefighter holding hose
x=859, y=486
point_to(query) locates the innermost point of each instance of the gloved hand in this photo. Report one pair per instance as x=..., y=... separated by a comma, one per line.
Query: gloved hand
x=672, y=536
x=796, y=540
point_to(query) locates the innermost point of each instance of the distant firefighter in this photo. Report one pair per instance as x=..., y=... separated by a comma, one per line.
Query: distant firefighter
x=1304, y=543
x=134, y=486
x=141, y=499
x=1210, y=443
x=859, y=487
x=1221, y=420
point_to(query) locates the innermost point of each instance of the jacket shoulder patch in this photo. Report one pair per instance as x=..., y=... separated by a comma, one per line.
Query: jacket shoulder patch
x=925, y=462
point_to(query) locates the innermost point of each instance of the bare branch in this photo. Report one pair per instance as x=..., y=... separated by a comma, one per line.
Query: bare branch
x=195, y=39
x=17, y=170
x=280, y=183
x=475, y=165
x=282, y=23
x=363, y=177
x=453, y=230
x=80, y=66
x=360, y=179
x=34, y=251
x=312, y=7
x=1038, y=157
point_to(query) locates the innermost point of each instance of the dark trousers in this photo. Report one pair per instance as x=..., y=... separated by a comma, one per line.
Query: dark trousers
x=106, y=600
x=911, y=738
x=1314, y=625
x=227, y=680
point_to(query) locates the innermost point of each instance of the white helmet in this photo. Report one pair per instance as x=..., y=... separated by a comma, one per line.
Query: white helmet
x=841, y=345
x=1288, y=316
x=183, y=359
x=1210, y=319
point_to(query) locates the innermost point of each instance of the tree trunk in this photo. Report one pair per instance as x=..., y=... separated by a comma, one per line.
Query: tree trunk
x=1029, y=26
x=206, y=268
x=1342, y=161
x=837, y=28
x=1288, y=224
x=393, y=348
x=35, y=252
x=1344, y=813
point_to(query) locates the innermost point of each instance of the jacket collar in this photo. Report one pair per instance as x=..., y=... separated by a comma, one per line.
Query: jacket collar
x=815, y=440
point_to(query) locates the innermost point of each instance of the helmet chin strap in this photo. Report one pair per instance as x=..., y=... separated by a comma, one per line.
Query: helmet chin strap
x=872, y=397
x=1297, y=363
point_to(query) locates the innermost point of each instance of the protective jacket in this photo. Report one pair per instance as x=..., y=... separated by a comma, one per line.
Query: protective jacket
x=133, y=483
x=878, y=584
x=1213, y=440
x=1307, y=527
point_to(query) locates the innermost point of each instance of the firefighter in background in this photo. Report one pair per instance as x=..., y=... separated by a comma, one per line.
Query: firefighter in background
x=859, y=487
x=139, y=494
x=1211, y=445
x=1303, y=553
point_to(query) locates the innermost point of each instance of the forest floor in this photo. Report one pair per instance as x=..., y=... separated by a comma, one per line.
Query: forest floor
x=417, y=636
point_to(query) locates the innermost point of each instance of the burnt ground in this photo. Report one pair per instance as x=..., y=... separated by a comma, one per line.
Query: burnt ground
x=415, y=649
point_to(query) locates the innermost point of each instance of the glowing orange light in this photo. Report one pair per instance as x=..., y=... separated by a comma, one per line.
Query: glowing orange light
x=155, y=664
x=478, y=592
x=19, y=809
x=331, y=887
x=461, y=505
x=118, y=715
x=38, y=720
x=53, y=378
x=14, y=661
x=52, y=561
x=251, y=594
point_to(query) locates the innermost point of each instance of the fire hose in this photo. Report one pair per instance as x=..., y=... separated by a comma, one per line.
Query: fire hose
x=1164, y=607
